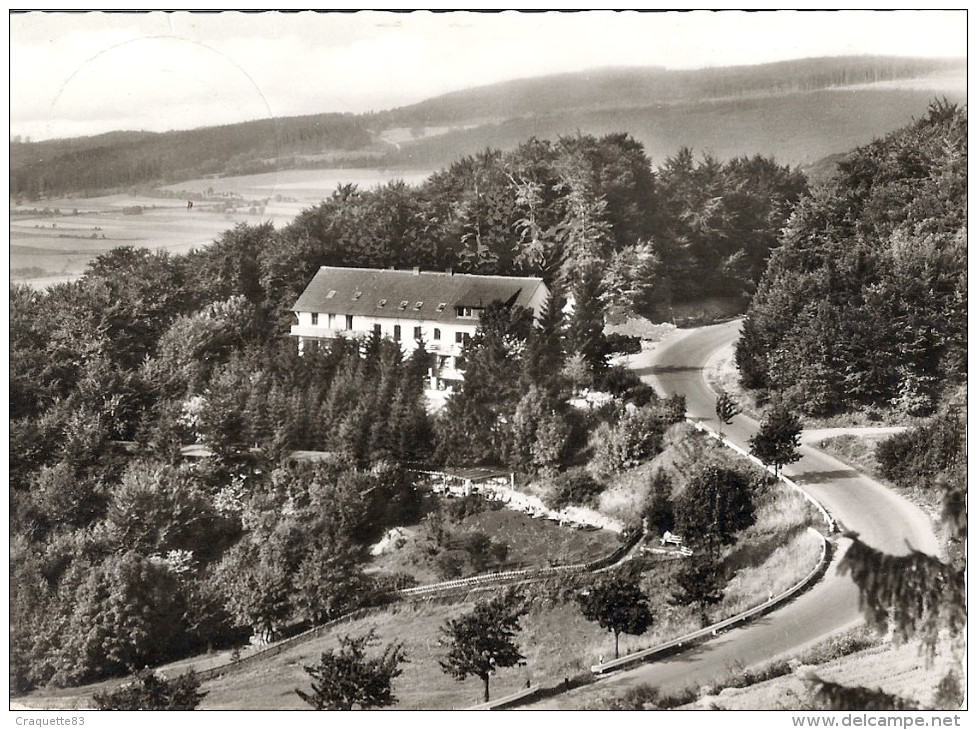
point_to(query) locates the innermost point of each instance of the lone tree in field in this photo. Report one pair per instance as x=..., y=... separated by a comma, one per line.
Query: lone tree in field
x=726, y=409
x=617, y=604
x=775, y=444
x=150, y=691
x=346, y=679
x=701, y=583
x=484, y=640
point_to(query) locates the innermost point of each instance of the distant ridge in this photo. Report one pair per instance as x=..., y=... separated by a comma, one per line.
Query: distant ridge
x=793, y=110
x=636, y=87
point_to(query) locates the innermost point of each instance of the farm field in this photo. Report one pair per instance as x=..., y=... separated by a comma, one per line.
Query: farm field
x=288, y=188
x=53, y=240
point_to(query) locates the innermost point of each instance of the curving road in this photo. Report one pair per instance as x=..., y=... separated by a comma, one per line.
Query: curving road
x=882, y=519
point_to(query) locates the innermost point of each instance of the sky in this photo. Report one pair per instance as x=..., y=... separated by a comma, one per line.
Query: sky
x=74, y=74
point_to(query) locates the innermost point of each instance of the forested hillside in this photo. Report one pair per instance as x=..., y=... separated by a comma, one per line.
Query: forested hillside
x=620, y=88
x=125, y=553
x=88, y=164
x=865, y=303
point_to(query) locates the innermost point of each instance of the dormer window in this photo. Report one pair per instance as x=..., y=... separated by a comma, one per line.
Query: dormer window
x=441, y=306
x=382, y=303
x=357, y=294
x=467, y=312
x=418, y=305
x=331, y=294
x=403, y=304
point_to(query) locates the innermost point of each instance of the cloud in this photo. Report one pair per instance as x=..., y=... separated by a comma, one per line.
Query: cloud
x=165, y=70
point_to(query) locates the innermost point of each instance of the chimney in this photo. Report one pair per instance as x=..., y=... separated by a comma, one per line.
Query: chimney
x=449, y=271
x=417, y=271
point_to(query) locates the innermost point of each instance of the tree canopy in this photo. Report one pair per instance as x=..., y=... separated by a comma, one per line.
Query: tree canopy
x=864, y=303
x=715, y=504
x=484, y=640
x=151, y=691
x=617, y=604
x=348, y=678
x=775, y=444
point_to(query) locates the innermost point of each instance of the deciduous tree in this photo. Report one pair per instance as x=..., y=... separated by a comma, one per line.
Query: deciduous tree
x=348, y=678
x=483, y=641
x=775, y=444
x=617, y=604
x=701, y=582
x=726, y=409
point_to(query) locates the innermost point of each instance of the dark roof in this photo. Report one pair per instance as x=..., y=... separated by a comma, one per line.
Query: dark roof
x=361, y=292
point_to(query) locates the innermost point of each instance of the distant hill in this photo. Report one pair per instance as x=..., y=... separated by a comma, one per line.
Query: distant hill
x=117, y=159
x=796, y=128
x=621, y=88
x=797, y=111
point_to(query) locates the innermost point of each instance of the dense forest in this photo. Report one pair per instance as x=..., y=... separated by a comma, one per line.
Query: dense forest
x=865, y=302
x=125, y=552
x=617, y=88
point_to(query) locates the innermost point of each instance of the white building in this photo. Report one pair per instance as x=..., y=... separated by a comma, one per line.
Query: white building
x=440, y=309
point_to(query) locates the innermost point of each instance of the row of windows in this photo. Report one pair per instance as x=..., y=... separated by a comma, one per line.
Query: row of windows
x=460, y=337
x=331, y=320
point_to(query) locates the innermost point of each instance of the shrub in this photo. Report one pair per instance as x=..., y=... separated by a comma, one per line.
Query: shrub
x=459, y=508
x=618, y=343
x=658, y=509
x=635, y=438
x=574, y=487
x=150, y=691
x=624, y=383
x=917, y=456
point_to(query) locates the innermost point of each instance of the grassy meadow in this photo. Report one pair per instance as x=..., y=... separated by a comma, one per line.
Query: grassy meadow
x=53, y=240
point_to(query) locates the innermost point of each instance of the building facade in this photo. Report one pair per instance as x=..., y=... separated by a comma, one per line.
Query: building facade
x=439, y=309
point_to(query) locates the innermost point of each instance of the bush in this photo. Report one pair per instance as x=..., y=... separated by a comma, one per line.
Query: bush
x=916, y=457
x=623, y=383
x=635, y=438
x=457, y=509
x=642, y=697
x=623, y=344
x=658, y=509
x=470, y=554
x=150, y=691
x=574, y=487
x=390, y=582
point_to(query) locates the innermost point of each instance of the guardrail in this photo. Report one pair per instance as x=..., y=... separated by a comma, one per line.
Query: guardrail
x=714, y=629
x=280, y=646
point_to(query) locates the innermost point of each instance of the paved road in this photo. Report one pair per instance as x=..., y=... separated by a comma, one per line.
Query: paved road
x=882, y=519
